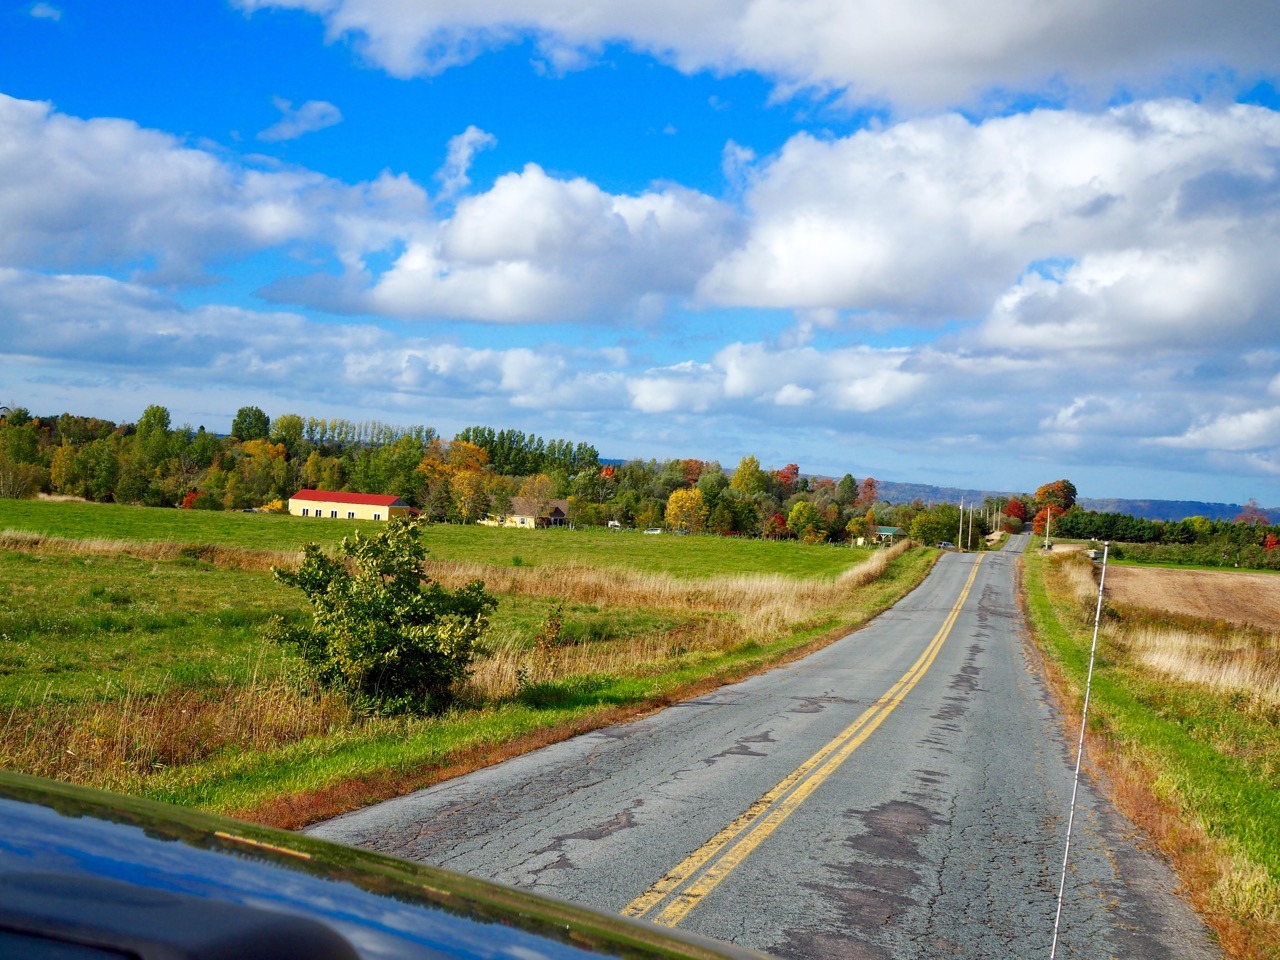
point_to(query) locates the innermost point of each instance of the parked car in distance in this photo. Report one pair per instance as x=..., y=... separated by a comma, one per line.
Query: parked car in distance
x=88, y=875
x=946, y=545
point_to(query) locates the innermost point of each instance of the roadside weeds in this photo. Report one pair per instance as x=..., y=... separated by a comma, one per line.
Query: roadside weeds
x=1172, y=786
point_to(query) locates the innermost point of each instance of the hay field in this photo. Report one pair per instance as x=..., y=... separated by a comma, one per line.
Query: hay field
x=1247, y=599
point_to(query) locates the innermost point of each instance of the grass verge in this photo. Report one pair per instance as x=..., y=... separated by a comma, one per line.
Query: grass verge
x=138, y=666
x=1194, y=762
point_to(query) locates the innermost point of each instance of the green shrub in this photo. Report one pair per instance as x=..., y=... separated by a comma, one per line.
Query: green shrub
x=387, y=636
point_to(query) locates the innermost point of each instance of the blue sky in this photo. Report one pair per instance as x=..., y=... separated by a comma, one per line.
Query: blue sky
x=989, y=245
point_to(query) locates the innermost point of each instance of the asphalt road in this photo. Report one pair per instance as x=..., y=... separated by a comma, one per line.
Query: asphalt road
x=902, y=793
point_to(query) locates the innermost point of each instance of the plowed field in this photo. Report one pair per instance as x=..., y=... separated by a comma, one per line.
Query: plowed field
x=1229, y=595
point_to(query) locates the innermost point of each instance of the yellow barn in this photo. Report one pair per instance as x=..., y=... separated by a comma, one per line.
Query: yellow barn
x=335, y=505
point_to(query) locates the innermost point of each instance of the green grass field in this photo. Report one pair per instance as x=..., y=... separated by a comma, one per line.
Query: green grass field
x=151, y=676
x=689, y=557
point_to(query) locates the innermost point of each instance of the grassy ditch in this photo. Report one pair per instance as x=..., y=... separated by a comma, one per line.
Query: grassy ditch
x=139, y=666
x=1185, y=721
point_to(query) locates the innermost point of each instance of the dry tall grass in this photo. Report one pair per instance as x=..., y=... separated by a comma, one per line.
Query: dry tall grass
x=629, y=588
x=228, y=557
x=1247, y=663
x=732, y=611
x=1238, y=660
x=117, y=744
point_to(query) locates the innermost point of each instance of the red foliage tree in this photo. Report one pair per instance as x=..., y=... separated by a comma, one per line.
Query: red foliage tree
x=776, y=527
x=1015, y=509
x=869, y=494
x=1053, y=509
x=189, y=500
x=1252, y=515
x=1060, y=493
x=787, y=478
x=692, y=471
x=1270, y=542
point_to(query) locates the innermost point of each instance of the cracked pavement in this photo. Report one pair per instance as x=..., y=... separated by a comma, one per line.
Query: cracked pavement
x=940, y=836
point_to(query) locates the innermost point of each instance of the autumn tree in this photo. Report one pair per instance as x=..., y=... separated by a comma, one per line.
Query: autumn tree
x=869, y=493
x=749, y=479
x=64, y=470
x=1015, y=509
x=539, y=489
x=321, y=472
x=1042, y=518
x=856, y=528
x=1060, y=493
x=805, y=521
x=692, y=470
x=787, y=478
x=470, y=493
x=288, y=429
x=1252, y=515
x=687, y=511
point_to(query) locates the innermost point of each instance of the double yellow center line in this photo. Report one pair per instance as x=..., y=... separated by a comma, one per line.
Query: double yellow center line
x=672, y=897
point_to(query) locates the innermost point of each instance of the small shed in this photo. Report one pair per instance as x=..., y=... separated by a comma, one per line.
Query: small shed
x=889, y=534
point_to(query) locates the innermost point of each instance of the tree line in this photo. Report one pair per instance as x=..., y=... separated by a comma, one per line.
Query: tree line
x=1250, y=540
x=481, y=471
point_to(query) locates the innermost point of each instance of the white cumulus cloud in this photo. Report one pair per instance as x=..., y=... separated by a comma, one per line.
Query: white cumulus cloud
x=535, y=247
x=294, y=121
x=453, y=176
x=106, y=192
x=1143, y=225
x=915, y=53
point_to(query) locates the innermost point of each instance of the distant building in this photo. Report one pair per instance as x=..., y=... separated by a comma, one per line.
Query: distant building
x=335, y=505
x=883, y=535
x=530, y=514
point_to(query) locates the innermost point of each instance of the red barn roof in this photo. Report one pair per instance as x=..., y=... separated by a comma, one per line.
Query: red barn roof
x=364, y=499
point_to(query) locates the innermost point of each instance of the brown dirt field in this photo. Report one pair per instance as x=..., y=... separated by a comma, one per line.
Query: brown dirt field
x=1245, y=598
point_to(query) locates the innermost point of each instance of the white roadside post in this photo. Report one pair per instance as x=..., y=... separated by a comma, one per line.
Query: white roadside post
x=1075, y=785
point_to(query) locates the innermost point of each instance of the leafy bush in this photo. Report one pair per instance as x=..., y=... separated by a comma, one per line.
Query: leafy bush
x=383, y=633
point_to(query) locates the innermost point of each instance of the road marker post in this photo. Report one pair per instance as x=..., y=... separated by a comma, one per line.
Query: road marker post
x=1075, y=785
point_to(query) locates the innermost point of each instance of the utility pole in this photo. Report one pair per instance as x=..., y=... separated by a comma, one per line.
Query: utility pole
x=960, y=532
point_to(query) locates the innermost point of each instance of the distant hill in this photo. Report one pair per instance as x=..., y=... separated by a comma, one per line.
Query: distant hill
x=1172, y=509
x=907, y=492
x=892, y=492
x=1147, y=509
